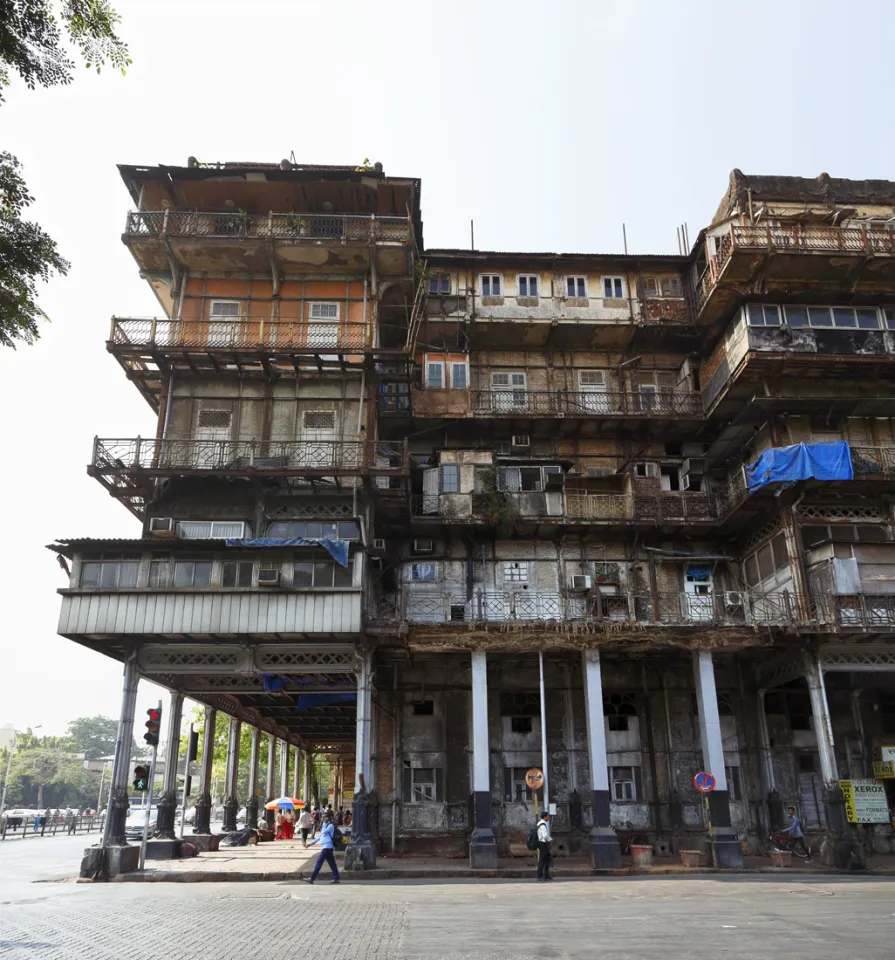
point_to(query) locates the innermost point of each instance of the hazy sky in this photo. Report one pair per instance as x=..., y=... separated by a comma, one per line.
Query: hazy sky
x=550, y=124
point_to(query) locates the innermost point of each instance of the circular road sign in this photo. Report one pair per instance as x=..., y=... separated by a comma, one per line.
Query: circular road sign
x=704, y=782
x=534, y=779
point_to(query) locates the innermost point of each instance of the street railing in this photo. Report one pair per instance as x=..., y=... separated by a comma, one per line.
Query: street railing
x=28, y=827
x=280, y=227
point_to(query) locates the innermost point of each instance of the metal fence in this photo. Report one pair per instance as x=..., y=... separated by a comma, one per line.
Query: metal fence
x=282, y=227
x=30, y=827
x=229, y=456
x=242, y=333
x=554, y=403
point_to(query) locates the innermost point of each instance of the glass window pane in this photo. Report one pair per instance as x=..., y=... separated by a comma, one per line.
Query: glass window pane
x=495, y=286
x=797, y=316
x=582, y=287
x=781, y=557
x=890, y=318
x=435, y=374
x=532, y=286
x=313, y=530
x=820, y=317
x=183, y=574
x=109, y=575
x=195, y=529
x=570, y=286
x=341, y=575
x=246, y=568
x=202, y=574
x=127, y=574
x=158, y=573
x=868, y=319
x=329, y=531
x=756, y=315
x=844, y=317
x=323, y=573
x=458, y=376
x=227, y=530
x=229, y=574
x=772, y=316
x=523, y=286
x=303, y=575
x=607, y=288
x=279, y=530
x=348, y=530
x=90, y=575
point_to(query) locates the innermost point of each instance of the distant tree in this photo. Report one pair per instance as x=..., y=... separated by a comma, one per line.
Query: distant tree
x=93, y=736
x=34, y=770
x=35, y=36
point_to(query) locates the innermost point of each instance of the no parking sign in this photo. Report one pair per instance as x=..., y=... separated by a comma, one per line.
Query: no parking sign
x=704, y=782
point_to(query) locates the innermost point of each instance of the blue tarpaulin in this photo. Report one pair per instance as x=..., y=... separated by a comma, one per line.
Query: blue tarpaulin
x=273, y=684
x=699, y=572
x=801, y=461
x=337, y=549
x=308, y=700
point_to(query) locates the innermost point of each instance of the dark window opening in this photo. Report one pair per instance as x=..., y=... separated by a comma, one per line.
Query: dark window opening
x=673, y=450
x=521, y=724
x=424, y=708
x=806, y=763
x=617, y=723
x=458, y=612
x=800, y=721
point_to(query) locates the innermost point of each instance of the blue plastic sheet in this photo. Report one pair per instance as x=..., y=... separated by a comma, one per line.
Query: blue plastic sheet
x=801, y=461
x=337, y=549
x=272, y=683
x=698, y=572
x=308, y=700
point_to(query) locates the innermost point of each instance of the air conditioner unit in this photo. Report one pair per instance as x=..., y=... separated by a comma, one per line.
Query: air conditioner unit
x=581, y=581
x=521, y=441
x=161, y=527
x=734, y=598
x=268, y=578
x=694, y=467
x=379, y=545
x=423, y=546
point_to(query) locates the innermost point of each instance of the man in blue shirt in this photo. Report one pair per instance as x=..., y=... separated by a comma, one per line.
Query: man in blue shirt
x=794, y=829
x=327, y=854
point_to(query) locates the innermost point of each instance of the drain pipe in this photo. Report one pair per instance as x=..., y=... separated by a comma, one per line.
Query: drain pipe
x=395, y=774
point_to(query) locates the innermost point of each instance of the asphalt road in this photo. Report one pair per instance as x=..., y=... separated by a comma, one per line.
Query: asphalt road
x=623, y=918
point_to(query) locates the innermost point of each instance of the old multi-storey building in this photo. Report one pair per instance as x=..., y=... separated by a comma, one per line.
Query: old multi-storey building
x=445, y=516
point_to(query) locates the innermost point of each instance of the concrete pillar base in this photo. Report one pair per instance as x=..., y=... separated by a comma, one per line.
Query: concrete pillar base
x=167, y=812
x=604, y=849
x=725, y=849
x=483, y=855
x=117, y=860
x=360, y=855
x=231, y=809
x=252, y=813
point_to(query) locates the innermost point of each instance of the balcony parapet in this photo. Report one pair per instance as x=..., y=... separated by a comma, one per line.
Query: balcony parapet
x=572, y=403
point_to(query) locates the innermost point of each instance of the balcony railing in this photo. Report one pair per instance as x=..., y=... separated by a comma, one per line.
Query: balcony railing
x=792, y=238
x=561, y=403
x=281, y=227
x=657, y=508
x=248, y=456
x=868, y=463
x=245, y=333
x=730, y=608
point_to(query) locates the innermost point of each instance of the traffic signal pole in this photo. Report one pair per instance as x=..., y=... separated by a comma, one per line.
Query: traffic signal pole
x=150, y=785
x=190, y=756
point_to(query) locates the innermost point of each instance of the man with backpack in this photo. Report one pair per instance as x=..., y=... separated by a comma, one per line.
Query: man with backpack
x=540, y=836
x=329, y=838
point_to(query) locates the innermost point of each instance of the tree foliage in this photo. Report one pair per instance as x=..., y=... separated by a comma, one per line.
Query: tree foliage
x=35, y=37
x=93, y=736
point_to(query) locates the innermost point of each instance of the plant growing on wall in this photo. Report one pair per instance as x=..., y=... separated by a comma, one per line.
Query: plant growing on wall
x=497, y=505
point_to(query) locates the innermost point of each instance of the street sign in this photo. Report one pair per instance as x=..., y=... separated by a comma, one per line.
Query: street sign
x=865, y=801
x=704, y=782
x=534, y=779
x=883, y=769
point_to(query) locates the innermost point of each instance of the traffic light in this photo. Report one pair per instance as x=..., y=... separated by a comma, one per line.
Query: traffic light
x=153, y=725
x=141, y=778
x=192, y=750
x=188, y=786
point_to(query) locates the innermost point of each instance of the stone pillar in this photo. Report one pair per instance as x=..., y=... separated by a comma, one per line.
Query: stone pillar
x=204, y=800
x=360, y=854
x=603, y=841
x=306, y=794
x=284, y=769
x=269, y=815
x=167, y=803
x=116, y=814
x=836, y=847
x=231, y=801
x=723, y=841
x=252, y=799
x=482, y=844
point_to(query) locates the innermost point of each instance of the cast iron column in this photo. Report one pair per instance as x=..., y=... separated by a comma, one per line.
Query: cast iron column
x=296, y=775
x=231, y=801
x=605, y=849
x=360, y=854
x=482, y=844
x=270, y=815
x=167, y=803
x=252, y=800
x=204, y=800
x=306, y=786
x=284, y=769
x=725, y=844
x=116, y=815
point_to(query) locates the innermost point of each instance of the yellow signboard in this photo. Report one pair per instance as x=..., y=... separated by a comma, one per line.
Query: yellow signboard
x=883, y=769
x=865, y=801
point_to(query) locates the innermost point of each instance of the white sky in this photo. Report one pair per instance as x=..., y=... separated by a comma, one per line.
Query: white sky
x=549, y=124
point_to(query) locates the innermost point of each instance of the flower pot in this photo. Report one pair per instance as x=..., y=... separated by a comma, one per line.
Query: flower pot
x=690, y=858
x=781, y=858
x=642, y=855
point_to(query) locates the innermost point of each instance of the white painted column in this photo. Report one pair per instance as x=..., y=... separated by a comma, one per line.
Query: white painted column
x=481, y=779
x=709, y=721
x=364, y=704
x=596, y=727
x=820, y=712
x=284, y=768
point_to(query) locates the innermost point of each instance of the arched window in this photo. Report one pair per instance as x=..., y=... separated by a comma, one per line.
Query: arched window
x=618, y=707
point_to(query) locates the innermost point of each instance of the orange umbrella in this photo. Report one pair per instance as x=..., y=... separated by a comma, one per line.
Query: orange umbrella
x=285, y=802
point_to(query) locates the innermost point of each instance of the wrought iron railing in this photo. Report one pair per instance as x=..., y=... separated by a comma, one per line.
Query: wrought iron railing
x=857, y=610
x=730, y=608
x=553, y=403
x=241, y=456
x=599, y=506
x=282, y=227
x=244, y=333
x=792, y=238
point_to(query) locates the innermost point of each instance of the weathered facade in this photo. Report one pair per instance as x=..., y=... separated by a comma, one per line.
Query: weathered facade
x=442, y=514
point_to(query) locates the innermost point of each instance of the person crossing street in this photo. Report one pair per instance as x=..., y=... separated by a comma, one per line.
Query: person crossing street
x=327, y=854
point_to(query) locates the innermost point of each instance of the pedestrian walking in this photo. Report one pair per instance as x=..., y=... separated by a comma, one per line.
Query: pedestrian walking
x=327, y=844
x=545, y=857
x=794, y=829
x=305, y=822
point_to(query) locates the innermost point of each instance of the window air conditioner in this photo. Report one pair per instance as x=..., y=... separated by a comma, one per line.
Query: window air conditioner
x=521, y=441
x=161, y=527
x=379, y=545
x=581, y=581
x=694, y=467
x=734, y=598
x=423, y=546
x=268, y=578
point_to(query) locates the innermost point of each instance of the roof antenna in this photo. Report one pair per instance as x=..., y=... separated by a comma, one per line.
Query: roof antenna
x=625, y=238
x=472, y=234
